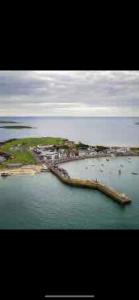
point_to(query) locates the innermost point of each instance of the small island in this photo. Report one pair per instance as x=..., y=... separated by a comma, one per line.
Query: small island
x=16, y=127
x=7, y=122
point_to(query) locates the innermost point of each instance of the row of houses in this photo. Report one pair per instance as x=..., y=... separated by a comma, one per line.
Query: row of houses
x=50, y=152
x=53, y=153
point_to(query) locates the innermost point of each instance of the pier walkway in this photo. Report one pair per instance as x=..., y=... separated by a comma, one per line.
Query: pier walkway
x=62, y=174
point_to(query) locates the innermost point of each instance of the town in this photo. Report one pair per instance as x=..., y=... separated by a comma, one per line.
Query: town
x=57, y=154
x=50, y=152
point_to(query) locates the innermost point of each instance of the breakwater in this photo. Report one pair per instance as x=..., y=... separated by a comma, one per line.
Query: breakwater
x=117, y=196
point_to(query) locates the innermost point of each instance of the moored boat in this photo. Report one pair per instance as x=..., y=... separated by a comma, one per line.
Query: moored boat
x=5, y=174
x=134, y=173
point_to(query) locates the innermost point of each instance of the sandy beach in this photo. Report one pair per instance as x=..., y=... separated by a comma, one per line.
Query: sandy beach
x=28, y=169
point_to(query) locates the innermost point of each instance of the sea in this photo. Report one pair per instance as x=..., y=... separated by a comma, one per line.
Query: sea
x=42, y=202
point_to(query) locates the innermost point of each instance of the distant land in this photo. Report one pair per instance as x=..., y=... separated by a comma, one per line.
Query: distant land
x=15, y=127
x=7, y=122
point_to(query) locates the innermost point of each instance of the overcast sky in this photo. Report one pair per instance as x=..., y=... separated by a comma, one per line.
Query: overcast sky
x=69, y=93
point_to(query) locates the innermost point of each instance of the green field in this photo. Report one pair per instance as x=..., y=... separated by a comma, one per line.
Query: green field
x=20, y=152
x=30, y=142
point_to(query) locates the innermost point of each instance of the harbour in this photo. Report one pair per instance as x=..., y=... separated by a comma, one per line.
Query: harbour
x=121, y=198
x=60, y=206
x=46, y=203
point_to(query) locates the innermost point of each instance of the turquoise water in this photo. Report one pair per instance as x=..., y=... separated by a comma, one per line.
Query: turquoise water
x=43, y=202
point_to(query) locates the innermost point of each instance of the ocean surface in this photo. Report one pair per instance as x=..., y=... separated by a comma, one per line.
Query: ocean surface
x=110, y=131
x=43, y=202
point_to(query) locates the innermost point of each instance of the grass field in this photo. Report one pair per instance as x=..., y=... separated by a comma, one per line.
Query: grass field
x=15, y=127
x=19, y=149
x=31, y=141
x=24, y=157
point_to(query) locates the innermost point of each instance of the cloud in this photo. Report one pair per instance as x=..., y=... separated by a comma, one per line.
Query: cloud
x=81, y=93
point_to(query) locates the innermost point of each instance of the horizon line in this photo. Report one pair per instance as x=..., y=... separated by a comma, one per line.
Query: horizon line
x=50, y=116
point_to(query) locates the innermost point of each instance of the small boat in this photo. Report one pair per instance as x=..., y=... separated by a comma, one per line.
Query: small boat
x=107, y=159
x=119, y=171
x=5, y=174
x=134, y=173
x=44, y=170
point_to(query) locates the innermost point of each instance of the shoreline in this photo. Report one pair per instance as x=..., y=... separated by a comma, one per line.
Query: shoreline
x=23, y=170
x=39, y=168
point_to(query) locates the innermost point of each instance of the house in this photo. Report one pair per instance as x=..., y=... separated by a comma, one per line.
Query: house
x=14, y=165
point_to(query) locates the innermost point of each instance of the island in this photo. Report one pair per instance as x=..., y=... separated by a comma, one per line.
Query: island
x=40, y=154
x=7, y=122
x=16, y=127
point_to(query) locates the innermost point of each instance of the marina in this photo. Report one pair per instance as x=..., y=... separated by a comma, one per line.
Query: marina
x=49, y=156
x=94, y=184
x=45, y=202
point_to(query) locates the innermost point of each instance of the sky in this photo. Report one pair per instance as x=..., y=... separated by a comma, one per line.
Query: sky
x=69, y=93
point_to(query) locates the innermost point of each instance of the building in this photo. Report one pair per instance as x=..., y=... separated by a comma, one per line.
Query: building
x=14, y=165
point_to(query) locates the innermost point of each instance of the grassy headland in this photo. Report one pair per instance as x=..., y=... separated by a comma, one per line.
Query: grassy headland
x=33, y=141
x=19, y=150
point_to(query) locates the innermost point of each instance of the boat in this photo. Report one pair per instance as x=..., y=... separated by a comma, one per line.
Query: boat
x=107, y=159
x=44, y=170
x=134, y=173
x=119, y=171
x=5, y=174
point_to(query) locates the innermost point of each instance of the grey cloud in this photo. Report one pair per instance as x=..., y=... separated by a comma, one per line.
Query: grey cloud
x=88, y=89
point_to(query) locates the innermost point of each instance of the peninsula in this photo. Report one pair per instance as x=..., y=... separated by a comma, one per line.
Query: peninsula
x=39, y=154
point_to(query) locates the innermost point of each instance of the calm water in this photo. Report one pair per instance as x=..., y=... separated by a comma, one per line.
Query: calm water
x=45, y=202
x=111, y=131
